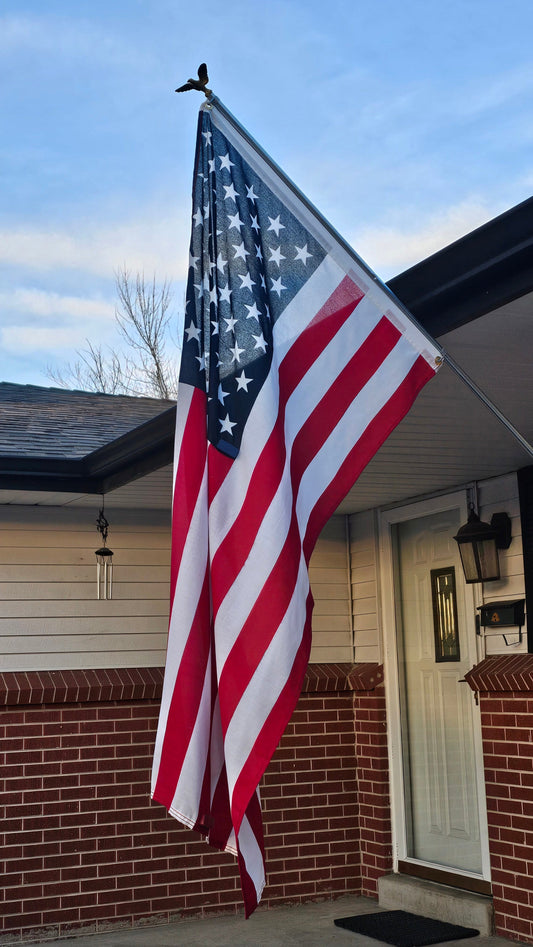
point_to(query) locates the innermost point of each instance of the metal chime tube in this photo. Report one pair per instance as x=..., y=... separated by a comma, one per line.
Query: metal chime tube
x=104, y=573
x=108, y=579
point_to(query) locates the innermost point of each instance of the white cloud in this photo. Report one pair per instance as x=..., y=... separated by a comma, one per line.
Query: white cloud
x=34, y=302
x=51, y=324
x=47, y=339
x=389, y=250
x=153, y=244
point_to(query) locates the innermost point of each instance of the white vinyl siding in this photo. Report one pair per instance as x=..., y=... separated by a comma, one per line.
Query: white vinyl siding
x=50, y=618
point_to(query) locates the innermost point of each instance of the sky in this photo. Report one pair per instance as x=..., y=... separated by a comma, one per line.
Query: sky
x=408, y=124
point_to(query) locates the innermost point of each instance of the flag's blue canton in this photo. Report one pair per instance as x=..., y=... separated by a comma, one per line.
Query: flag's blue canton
x=249, y=256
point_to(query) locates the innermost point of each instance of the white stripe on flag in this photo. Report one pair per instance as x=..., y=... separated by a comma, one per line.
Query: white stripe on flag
x=253, y=857
x=376, y=393
x=267, y=682
x=189, y=786
x=189, y=584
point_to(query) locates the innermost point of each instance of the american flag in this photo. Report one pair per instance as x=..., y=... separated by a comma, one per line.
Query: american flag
x=296, y=366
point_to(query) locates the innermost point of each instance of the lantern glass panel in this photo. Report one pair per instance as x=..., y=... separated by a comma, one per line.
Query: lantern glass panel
x=469, y=562
x=488, y=559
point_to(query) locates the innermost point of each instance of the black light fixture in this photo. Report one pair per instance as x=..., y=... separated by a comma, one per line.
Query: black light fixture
x=104, y=560
x=479, y=543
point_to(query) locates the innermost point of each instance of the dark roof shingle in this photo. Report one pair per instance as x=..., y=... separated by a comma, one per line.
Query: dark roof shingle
x=56, y=423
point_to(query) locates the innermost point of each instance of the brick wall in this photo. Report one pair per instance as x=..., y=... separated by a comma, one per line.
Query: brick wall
x=84, y=849
x=505, y=686
x=374, y=792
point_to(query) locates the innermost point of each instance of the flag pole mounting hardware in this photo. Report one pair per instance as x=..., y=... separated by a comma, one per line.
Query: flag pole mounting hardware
x=200, y=84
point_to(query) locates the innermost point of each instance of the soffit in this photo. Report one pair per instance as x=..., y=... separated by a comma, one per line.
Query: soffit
x=449, y=437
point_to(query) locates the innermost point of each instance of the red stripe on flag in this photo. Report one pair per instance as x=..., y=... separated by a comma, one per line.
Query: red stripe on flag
x=248, y=888
x=274, y=598
x=233, y=551
x=249, y=894
x=204, y=821
x=309, y=344
x=185, y=700
x=229, y=559
x=220, y=812
x=339, y=396
x=278, y=718
x=261, y=625
x=218, y=465
x=189, y=475
x=362, y=452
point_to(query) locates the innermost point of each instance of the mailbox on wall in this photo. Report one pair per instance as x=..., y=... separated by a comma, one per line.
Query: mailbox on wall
x=507, y=614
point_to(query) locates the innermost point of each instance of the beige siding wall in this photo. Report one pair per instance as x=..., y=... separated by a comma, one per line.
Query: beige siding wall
x=329, y=576
x=500, y=495
x=49, y=615
x=364, y=586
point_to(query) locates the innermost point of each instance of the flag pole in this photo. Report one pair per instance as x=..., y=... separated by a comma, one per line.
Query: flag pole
x=214, y=102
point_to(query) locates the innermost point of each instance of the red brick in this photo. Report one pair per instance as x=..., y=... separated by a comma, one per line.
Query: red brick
x=515, y=705
x=112, y=785
x=13, y=922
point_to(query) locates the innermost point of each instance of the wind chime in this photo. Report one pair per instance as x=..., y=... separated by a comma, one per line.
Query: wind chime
x=104, y=560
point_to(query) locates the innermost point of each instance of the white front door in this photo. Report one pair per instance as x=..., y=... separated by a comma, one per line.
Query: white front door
x=441, y=820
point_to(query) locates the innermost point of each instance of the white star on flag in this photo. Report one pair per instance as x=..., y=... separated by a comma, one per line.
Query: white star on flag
x=242, y=382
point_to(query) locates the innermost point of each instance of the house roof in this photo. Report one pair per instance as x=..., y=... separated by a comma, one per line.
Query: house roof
x=51, y=438
x=475, y=295
x=54, y=422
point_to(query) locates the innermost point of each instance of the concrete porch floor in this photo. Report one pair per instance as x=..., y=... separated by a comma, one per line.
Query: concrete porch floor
x=310, y=925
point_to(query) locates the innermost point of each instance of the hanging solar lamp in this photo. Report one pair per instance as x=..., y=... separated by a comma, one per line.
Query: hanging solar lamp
x=104, y=561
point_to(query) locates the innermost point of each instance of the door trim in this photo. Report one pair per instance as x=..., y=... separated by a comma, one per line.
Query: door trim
x=387, y=520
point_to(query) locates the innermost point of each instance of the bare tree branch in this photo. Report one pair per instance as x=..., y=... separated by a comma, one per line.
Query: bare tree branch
x=145, y=367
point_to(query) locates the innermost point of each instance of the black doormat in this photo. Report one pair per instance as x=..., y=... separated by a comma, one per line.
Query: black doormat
x=403, y=929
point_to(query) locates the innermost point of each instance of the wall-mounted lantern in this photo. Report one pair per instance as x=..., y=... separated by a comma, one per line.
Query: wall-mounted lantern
x=479, y=543
x=104, y=561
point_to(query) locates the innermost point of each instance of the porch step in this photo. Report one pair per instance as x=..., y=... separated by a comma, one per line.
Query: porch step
x=402, y=893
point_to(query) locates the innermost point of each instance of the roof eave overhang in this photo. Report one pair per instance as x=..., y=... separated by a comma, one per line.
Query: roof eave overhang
x=140, y=451
x=472, y=276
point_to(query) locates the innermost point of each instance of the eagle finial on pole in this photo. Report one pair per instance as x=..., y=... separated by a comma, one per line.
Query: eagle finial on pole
x=200, y=84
